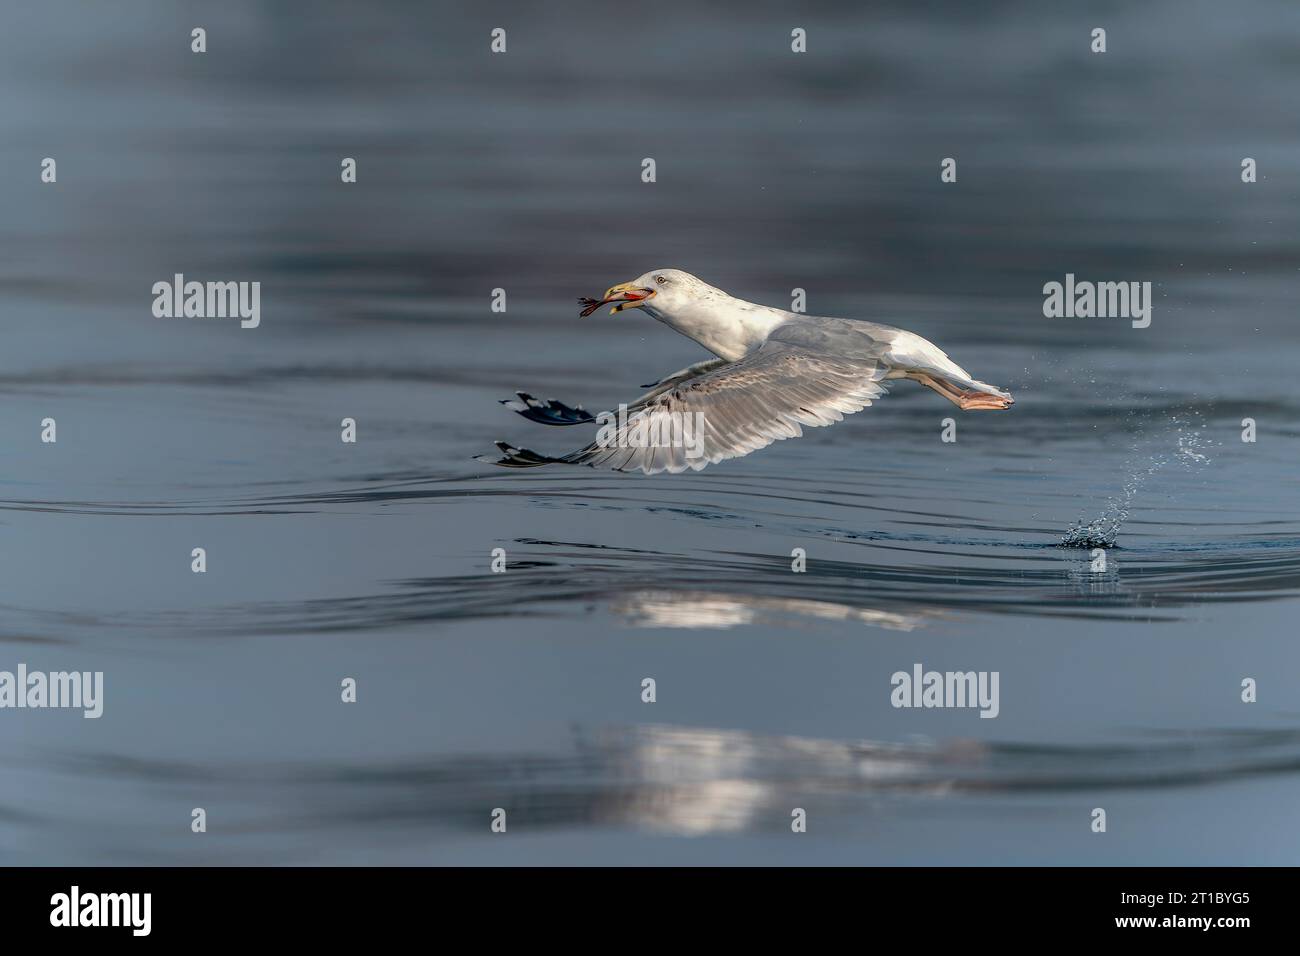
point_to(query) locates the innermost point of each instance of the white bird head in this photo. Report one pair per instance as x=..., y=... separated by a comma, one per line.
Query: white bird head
x=662, y=291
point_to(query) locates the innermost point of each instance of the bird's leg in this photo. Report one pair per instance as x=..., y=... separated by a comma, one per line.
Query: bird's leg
x=937, y=384
x=975, y=400
x=964, y=398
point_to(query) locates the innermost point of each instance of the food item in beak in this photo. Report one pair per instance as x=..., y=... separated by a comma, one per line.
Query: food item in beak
x=623, y=297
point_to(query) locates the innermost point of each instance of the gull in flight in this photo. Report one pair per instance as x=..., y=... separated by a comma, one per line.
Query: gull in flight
x=775, y=372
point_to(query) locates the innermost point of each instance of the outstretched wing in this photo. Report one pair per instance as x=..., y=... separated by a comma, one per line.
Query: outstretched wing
x=554, y=412
x=728, y=412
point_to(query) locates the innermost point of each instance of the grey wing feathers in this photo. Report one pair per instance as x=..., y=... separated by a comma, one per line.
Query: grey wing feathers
x=684, y=375
x=736, y=409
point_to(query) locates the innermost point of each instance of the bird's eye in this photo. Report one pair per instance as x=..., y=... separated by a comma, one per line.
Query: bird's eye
x=660, y=279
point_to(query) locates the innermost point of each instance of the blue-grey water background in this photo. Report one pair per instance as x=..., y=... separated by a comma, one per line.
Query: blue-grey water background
x=522, y=690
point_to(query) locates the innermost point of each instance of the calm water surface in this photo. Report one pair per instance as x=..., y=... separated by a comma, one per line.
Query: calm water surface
x=521, y=690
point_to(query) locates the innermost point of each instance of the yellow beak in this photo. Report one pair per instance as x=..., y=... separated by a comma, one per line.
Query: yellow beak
x=628, y=295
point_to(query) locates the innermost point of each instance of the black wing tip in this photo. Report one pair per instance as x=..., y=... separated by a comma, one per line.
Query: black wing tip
x=550, y=412
x=512, y=457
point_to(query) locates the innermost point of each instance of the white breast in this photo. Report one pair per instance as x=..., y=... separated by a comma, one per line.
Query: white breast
x=729, y=328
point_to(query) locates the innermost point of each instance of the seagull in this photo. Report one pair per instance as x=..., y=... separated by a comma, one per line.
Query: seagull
x=774, y=373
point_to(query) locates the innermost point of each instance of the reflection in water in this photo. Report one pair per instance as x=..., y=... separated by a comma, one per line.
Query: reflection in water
x=690, y=780
x=1091, y=579
x=658, y=589
x=717, y=611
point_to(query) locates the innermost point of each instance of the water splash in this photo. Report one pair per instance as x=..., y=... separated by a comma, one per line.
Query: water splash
x=1189, y=451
